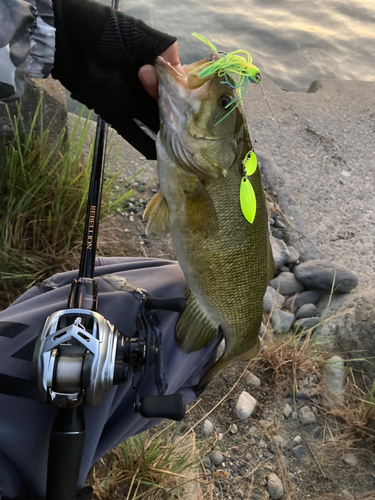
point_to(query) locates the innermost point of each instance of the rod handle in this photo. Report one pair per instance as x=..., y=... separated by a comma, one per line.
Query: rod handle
x=172, y=407
x=66, y=443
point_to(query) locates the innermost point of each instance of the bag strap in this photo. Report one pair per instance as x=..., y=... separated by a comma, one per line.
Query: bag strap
x=14, y=386
x=83, y=494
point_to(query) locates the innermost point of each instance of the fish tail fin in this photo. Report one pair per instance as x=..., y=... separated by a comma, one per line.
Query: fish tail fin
x=194, y=329
x=221, y=363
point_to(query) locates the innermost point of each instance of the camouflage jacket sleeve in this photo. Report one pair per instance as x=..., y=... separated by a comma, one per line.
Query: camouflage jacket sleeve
x=27, y=44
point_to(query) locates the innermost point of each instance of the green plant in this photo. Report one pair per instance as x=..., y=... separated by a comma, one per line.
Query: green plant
x=43, y=191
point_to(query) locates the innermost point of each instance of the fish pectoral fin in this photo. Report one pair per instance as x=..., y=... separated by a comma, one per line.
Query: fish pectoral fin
x=200, y=210
x=157, y=215
x=194, y=329
x=215, y=159
x=223, y=362
x=271, y=263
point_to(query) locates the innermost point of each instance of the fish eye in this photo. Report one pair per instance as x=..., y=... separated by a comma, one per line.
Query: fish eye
x=225, y=100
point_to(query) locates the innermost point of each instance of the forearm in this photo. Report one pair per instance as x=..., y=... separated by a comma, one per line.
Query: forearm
x=112, y=41
x=95, y=52
x=27, y=44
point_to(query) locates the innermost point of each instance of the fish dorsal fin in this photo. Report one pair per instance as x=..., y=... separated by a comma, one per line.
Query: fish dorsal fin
x=195, y=329
x=200, y=210
x=271, y=263
x=157, y=215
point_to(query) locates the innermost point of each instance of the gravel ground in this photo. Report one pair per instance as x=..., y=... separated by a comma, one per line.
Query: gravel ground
x=318, y=157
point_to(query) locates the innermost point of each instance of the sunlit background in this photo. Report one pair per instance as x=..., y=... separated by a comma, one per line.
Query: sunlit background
x=293, y=42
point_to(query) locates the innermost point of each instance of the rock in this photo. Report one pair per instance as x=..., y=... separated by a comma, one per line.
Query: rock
x=322, y=275
x=306, y=311
x=295, y=302
x=280, y=442
x=285, y=269
x=306, y=416
x=55, y=115
x=294, y=415
x=293, y=255
x=287, y=410
x=206, y=461
x=304, y=324
x=347, y=495
x=274, y=486
x=316, y=432
x=279, y=251
x=252, y=379
x=351, y=460
x=217, y=458
x=268, y=454
x=292, y=478
x=220, y=436
x=333, y=376
x=285, y=461
x=245, y=405
x=302, y=394
x=352, y=329
x=299, y=451
x=281, y=321
x=286, y=284
x=252, y=442
x=253, y=430
x=272, y=299
x=208, y=427
x=262, y=444
x=233, y=429
x=297, y=440
x=278, y=223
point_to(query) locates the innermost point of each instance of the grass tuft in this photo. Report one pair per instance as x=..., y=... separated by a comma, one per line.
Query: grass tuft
x=148, y=466
x=43, y=192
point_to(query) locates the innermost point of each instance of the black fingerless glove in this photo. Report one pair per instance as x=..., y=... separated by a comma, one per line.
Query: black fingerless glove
x=98, y=54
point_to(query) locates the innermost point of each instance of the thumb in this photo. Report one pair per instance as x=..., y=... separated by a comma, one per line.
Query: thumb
x=147, y=73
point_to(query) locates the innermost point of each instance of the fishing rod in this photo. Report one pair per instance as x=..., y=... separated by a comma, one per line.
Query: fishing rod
x=79, y=355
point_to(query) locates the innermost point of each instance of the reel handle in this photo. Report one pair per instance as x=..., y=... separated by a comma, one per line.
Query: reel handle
x=176, y=304
x=172, y=407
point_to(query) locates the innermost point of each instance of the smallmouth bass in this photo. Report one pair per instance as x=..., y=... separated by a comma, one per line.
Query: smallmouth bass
x=227, y=260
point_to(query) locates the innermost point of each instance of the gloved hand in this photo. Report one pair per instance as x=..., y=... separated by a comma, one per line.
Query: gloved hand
x=98, y=54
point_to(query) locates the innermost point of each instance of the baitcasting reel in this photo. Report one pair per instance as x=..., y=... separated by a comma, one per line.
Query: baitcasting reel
x=79, y=356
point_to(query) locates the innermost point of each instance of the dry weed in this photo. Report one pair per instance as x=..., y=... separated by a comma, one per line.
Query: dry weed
x=290, y=357
x=150, y=466
x=350, y=427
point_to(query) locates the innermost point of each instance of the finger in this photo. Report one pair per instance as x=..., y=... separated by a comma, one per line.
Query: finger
x=149, y=79
x=171, y=55
x=147, y=73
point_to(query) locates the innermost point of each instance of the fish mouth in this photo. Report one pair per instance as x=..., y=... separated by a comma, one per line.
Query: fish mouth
x=173, y=92
x=177, y=103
